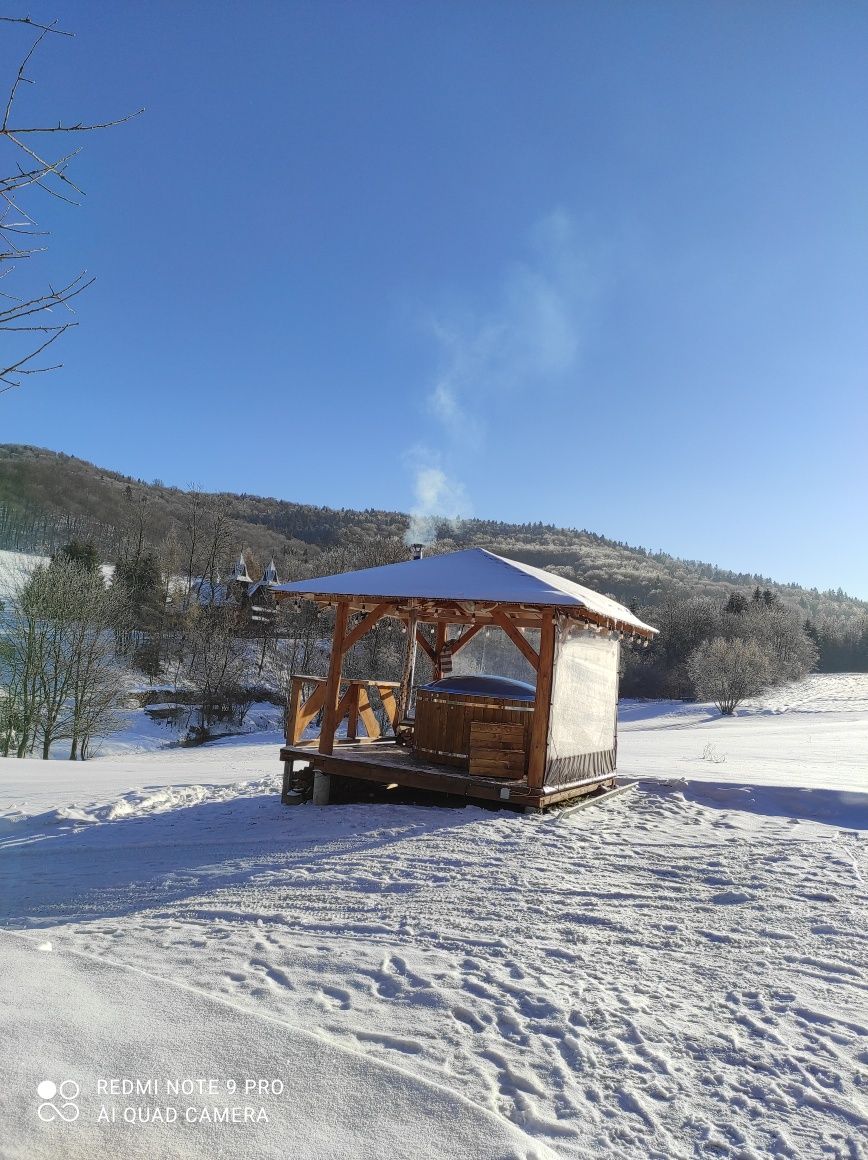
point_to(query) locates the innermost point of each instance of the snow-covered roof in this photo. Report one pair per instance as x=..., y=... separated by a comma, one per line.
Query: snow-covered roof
x=270, y=574
x=238, y=570
x=472, y=574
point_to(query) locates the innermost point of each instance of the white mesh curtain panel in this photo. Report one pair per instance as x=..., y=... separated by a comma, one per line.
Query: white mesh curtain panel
x=584, y=703
x=491, y=651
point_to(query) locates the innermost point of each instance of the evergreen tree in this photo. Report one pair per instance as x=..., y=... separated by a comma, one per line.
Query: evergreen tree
x=81, y=552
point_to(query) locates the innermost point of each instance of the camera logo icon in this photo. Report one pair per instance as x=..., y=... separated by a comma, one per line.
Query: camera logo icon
x=65, y=1107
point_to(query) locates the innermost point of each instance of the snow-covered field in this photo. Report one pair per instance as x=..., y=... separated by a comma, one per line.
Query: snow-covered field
x=678, y=973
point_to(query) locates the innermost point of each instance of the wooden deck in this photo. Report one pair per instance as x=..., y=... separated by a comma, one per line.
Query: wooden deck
x=387, y=763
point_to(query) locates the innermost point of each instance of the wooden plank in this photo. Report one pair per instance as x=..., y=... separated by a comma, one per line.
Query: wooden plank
x=367, y=714
x=294, y=704
x=494, y=765
x=333, y=681
x=524, y=646
x=390, y=703
x=465, y=638
x=494, y=735
x=496, y=749
x=309, y=710
x=365, y=626
x=536, y=758
x=426, y=647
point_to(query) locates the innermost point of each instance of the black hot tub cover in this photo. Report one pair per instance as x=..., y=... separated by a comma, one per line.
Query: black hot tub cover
x=483, y=686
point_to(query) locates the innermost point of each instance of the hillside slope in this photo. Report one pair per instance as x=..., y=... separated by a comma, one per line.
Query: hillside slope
x=46, y=497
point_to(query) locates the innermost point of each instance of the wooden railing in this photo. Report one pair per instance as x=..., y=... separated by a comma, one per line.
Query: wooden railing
x=307, y=699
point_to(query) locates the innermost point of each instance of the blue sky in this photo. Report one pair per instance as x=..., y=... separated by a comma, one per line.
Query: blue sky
x=602, y=265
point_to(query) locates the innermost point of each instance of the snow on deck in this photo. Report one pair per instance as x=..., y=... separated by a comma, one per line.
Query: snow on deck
x=678, y=973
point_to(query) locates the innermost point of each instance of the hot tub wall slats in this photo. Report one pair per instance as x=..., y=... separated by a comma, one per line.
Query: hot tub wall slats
x=442, y=728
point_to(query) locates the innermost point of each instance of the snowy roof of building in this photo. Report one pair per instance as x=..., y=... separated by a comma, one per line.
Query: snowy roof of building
x=239, y=570
x=470, y=575
x=270, y=574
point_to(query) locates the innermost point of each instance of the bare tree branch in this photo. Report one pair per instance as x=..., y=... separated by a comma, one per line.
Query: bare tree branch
x=20, y=78
x=49, y=176
x=35, y=24
x=19, y=367
x=77, y=128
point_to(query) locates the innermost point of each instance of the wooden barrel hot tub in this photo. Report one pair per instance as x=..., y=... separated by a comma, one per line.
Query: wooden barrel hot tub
x=477, y=723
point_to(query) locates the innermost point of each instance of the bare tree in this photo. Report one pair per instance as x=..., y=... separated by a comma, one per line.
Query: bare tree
x=58, y=660
x=30, y=321
x=219, y=666
x=22, y=662
x=211, y=650
x=95, y=699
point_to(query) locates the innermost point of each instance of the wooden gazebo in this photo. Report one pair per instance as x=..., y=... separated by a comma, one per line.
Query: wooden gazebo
x=532, y=745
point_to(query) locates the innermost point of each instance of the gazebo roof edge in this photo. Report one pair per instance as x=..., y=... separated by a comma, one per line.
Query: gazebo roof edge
x=473, y=575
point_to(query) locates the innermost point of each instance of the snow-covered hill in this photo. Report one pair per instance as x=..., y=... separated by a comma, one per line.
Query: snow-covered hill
x=679, y=973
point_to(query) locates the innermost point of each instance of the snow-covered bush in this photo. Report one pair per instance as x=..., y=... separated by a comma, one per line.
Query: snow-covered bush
x=728, y=671
x=57, y=660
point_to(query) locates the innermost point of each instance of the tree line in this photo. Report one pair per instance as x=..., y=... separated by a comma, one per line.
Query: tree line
x=84, y=501
x=165, y=612
x=76, y=636
x=722, y=651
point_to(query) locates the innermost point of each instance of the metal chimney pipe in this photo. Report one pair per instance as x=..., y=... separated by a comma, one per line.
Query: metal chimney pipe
x=418, y=549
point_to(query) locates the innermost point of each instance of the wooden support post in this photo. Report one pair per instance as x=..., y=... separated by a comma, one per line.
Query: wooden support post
x=406, y=689
x=292, y=708
x=333, y=680
x=536, y=764
x=439, y=641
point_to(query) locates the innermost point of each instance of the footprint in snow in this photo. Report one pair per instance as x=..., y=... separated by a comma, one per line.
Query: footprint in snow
x=273, y=974
x=390, y=1042
x=731, y=897
x=466, y=1016
x=337, y=997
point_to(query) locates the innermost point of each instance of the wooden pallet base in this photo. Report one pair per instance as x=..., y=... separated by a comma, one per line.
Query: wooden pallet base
x=386, y=763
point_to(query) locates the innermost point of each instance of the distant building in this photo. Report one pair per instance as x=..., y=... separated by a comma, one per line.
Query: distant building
x=255, y=599
x=259, y=599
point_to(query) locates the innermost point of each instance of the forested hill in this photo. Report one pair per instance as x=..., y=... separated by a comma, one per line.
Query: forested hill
x=47, y=498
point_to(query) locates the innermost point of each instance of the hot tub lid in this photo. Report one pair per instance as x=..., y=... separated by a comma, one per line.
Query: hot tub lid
x=479, y=685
